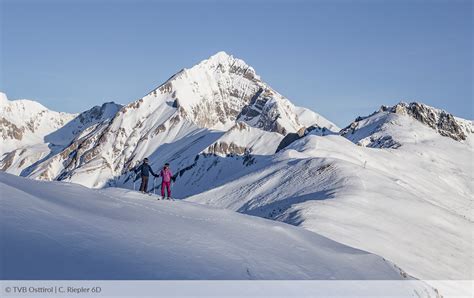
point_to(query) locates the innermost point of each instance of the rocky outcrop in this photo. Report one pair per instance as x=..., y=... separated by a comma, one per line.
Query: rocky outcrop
x=379, y=128
x=441, y=121
x=263, y=112
x=292, y=137
x=227, y=149
x=7, y=160
x=9, y=130
x=382, y=142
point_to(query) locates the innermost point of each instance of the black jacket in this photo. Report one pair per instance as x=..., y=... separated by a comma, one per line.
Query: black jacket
x=145, y=170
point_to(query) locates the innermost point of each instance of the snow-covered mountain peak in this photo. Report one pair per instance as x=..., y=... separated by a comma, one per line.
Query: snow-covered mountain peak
x=25, y=122
x=220, y=56
x=223, y=89
x=392, y=126
x=441, y=121
x=228, y=62
x=18, y=110
x=221, y=97
x=224, y=62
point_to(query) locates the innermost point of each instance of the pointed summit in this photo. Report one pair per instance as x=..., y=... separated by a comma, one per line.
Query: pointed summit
x=220, y=56
x=223, y=62
x=222, y=89
x=213, y=95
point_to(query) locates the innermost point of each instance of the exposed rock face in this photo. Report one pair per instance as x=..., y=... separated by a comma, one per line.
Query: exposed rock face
x=244, y=140
x=292, y=137
x=263, y=111
x=382, y=142
x=222, y=90
x=351, y=128
x=9, y=130
x=287, y=140
x=223, y=148
x=441, y=121
x=212, y=92
x=380, y=129
x=240, y=126
x=7, y=160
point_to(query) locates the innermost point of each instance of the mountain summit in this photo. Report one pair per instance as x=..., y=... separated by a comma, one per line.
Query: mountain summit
x=209, y=99
x=221, y=90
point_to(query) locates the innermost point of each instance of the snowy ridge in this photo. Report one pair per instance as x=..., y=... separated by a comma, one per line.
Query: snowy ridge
x=390, y=127
x=97, y=228
x=368, y=198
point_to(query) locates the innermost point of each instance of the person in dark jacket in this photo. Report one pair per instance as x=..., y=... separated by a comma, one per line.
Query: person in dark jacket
x=145, y=171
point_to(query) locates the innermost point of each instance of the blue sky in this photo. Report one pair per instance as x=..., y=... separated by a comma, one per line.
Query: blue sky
x=339, y=58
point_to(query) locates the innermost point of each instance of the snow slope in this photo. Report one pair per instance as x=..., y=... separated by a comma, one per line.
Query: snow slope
x=412, y=205
x=54, y=230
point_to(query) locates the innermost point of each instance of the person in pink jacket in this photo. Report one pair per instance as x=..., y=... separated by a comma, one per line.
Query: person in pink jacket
x=166, y=177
